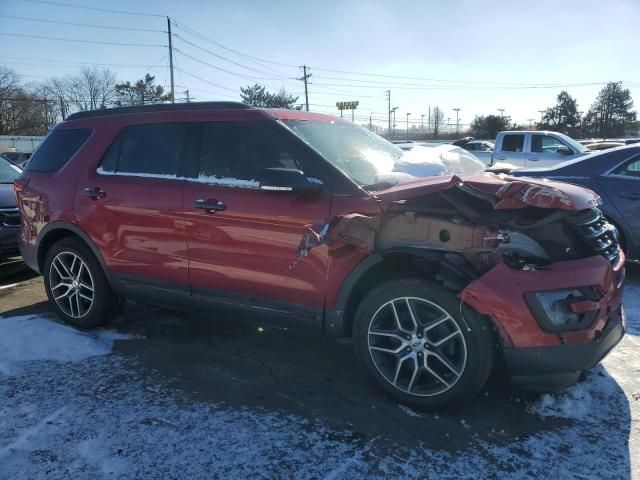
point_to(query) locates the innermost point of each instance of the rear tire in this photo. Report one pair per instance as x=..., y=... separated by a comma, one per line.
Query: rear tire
x=76, y=286
x=413, y=340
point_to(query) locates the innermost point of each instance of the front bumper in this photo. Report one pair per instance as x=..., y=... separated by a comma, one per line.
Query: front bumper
x=557, y=359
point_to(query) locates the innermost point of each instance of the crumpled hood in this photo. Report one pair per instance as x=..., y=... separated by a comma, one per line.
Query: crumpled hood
x=7, y=197
x=510, y=192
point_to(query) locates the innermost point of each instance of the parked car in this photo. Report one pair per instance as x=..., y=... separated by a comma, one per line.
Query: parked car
x=604, y=145
x=535, y=149
x=17, y=158
x=305, y=219
x=9, y=218
x=615, y=176
x=482, y=149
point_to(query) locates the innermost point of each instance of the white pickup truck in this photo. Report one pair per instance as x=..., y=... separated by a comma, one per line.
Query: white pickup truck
x=534, y=149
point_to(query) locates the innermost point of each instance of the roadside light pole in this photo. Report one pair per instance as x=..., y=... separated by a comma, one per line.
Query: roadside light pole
x=457, y=110
x=393, y=125
x=408, y=126
x=501, y=110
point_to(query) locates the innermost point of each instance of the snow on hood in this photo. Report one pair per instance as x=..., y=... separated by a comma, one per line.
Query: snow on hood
x=437, y=161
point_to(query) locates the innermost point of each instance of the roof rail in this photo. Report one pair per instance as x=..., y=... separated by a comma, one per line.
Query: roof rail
x=160, y=107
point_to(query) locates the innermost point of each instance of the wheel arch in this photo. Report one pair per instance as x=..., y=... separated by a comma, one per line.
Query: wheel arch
x=58, y=230
x=448, y=268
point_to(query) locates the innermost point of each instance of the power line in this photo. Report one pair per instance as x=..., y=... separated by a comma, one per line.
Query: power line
x=204, y=37
x=91, y=25
x=42, y=37
x=71, y=5
x=205, y=81
x=226, y=59
x=242, y=75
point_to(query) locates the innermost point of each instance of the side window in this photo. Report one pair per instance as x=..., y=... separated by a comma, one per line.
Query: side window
x=471, y=147
x=629, y=169
x=56, y=150
x=545, y=144
x=513, y=143
x=154, y=149
x=236, y=153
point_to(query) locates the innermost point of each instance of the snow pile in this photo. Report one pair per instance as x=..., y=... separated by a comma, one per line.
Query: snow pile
x=32, y=337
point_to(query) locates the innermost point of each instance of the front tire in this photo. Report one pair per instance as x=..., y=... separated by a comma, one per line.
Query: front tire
x=413, y=340
x=76, y=286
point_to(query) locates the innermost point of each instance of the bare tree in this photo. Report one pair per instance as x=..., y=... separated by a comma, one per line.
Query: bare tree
x=436, y=120
x=91, y=89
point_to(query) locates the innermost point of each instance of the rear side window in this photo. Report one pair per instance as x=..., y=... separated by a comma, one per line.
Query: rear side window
x=513, y=143
x=154, y=150
x=57, y=149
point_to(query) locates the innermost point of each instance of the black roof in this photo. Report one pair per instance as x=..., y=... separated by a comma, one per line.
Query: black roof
x=160, y=107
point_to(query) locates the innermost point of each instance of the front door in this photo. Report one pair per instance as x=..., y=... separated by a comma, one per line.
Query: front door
x=622, y=187
x=546, y=151
x=243, y=241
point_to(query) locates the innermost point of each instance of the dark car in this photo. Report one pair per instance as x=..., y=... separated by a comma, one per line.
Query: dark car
x=613, y=174
x=9, y=218
x=306, y=219
x=17, y=158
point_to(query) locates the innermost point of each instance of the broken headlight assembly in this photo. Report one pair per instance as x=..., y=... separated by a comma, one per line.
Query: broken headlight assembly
x=564, y=310
x=521, y=252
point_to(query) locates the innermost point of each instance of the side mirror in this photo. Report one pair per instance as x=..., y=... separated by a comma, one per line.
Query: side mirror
x=288, y=180
x=564, y=150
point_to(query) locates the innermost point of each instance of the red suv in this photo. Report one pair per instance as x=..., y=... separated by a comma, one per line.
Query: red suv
x=314, y=222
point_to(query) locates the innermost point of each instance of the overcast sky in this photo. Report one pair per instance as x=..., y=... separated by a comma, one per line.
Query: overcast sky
x=476, y=55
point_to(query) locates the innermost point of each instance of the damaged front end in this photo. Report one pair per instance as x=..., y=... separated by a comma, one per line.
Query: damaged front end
x=543, y=262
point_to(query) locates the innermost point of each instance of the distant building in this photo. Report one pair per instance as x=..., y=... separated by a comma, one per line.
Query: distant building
x=19, y=143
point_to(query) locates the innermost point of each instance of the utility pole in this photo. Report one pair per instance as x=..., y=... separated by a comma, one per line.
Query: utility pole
x=370, y=126
x=389, y=110
x=173, y=98
x=422, y=123
x=188, y=98
x=541, y=112
x=429, y=119
x=408, y=125
x=501, y=110
x=530, y=120
x=304, y=78
x=457, y=110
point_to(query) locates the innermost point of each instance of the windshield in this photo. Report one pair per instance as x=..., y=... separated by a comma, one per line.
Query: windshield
x=8, y=171
x=374, y=163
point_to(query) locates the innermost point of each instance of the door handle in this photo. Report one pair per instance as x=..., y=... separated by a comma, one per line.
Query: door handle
x=533, y=159
x=210, y=205
x=501, y=158
x=93, y=192
x=630, y=195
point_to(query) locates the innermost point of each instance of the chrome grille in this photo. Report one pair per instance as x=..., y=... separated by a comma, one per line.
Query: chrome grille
x=599, y=235
x=9, y=217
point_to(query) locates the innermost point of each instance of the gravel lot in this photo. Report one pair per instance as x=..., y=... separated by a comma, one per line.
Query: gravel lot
x=173, y=395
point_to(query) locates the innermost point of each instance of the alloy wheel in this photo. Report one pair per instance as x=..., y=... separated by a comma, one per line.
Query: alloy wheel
x=417, y=346
x=71, y=284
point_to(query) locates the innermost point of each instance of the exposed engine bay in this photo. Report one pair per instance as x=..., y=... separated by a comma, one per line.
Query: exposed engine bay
x=526, y=225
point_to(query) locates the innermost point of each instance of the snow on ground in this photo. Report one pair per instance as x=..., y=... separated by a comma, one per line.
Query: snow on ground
x=70, y=409
x=30, y=337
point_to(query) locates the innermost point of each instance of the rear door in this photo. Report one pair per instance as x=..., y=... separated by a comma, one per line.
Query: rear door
x=622, y=187
x=511, y=150
x=244, y=251
x=131, y=207
x=544, y=152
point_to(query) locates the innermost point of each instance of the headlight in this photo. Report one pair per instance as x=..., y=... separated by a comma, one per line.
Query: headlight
x=553, y=309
